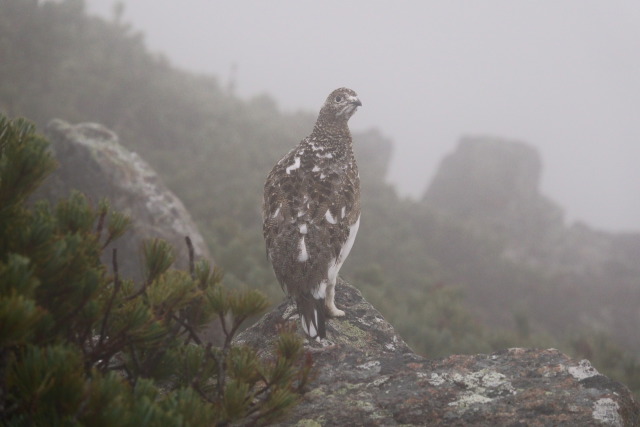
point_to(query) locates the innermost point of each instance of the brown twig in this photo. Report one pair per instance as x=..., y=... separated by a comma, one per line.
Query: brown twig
x=136, y=364
x=116, y=289
x=100, y=225
x=223, y=323
x=192, y=266
x=234, y=328
x=196, y=386
x=222, y=366
x=192, y=333
x=139, y=292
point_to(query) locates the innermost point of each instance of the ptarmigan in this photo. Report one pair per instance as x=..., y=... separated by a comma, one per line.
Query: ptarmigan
x=311, y=212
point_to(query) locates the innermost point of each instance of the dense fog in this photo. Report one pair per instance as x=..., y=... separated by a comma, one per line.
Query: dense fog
x=561, y=76
x=506, y=122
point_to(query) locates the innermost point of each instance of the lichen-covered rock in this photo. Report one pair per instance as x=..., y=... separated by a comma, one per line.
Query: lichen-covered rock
x=93, y=162
x=367, y=375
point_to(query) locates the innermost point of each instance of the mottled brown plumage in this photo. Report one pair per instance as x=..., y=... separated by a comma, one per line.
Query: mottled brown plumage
x=311, y=212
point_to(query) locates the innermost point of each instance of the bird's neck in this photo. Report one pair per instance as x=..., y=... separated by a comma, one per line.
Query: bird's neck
x=325, y=145
x=335, y=131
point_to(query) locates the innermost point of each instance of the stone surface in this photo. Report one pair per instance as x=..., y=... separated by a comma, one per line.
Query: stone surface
x=367, y=375
x=93, y=162
x=492, y=185
x=493, y=179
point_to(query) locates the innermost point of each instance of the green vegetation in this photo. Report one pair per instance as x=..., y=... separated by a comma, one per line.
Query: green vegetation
x=80, y=346
x=442, y=282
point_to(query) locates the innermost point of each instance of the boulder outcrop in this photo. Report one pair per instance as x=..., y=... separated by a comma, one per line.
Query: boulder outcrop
x=494, y=180
x=93, y=162
x=367, y=375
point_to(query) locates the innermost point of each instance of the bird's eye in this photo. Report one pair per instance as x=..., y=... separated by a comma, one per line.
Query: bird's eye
x=339, y=98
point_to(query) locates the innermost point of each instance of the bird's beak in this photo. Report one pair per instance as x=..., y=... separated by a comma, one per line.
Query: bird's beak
x=355, y=101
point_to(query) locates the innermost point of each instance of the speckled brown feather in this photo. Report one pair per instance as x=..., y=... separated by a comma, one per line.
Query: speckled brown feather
x=320, y=175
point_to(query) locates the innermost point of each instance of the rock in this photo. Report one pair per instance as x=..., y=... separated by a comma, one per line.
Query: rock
x=492, y=186
x=494, y=180
x=93, y=162
x=367, y=375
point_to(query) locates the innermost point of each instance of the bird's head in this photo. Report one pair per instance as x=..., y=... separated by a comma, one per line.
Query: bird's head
x=340, y=105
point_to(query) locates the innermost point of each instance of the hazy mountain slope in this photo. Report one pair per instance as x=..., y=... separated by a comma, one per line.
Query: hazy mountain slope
x=414, y=262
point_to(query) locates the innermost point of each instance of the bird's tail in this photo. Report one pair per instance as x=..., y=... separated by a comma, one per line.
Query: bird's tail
x=311, y=311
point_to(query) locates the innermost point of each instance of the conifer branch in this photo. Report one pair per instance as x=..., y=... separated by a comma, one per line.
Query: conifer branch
x=116, y=289
x=192, y=333
x=88, y=328
x=64, y=320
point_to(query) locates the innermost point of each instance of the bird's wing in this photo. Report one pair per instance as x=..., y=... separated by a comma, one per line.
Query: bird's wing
x=307, y=215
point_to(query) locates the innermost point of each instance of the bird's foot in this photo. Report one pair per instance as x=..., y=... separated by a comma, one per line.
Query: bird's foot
x=325, y=345
x=334, y=311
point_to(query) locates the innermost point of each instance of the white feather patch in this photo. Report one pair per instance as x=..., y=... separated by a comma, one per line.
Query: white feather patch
x=321, y=291
x=330, y=218
x=294, y=166
x=303, y=255
x=334, y=268
x=336, y=263
x=312, y=329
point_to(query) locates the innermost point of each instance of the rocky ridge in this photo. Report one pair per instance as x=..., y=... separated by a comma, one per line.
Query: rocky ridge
x=367, y=375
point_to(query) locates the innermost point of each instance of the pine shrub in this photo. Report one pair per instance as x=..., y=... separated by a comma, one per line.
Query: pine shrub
x=81, y=346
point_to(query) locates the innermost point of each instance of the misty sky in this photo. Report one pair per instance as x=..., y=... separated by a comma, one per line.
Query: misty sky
x=563, y=76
